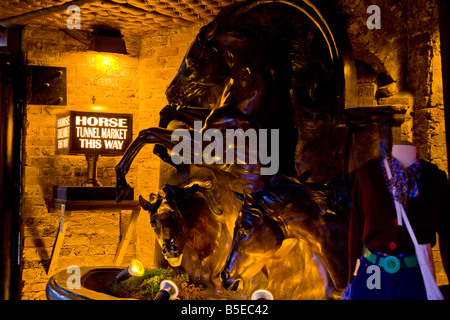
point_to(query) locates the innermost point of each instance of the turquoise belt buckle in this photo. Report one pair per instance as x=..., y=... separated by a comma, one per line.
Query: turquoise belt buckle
x=391, y=264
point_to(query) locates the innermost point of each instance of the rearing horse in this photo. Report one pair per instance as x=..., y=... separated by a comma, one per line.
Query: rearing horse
x=260, y=64
x=243, y=79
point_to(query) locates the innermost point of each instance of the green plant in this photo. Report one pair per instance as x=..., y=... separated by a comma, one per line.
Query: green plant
x=147, y=286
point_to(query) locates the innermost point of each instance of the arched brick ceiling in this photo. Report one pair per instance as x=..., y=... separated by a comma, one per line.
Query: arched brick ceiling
x=130, y=16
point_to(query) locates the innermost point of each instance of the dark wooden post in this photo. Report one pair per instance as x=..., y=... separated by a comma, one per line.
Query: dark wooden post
x=444, y=28
x=11, y=120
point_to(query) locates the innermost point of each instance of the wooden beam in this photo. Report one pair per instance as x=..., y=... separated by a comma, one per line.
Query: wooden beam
x=126, y=239
x=59, y=240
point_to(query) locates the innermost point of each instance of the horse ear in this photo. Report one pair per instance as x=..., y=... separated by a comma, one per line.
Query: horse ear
x=144, y=203
x=248, y=197
x=153, y=197
x=304, y=176
x=189, y=191
x=152, y=205
x=207, y=33
x=238, y=195
x=169, y=191
x=198, y=185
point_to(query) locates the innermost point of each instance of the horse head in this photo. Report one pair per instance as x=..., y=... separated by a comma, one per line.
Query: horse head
x=230, y=62
x=256, y=238
x=203, y=68
x=285, y=208
x=174, y=212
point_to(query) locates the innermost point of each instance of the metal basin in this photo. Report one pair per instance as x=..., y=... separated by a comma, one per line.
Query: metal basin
x=93, y=283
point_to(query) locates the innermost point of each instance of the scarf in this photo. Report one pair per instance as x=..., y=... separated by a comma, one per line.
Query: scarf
x=405, y=180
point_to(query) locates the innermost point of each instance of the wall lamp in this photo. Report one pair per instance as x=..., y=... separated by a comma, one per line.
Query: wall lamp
x=107, y=40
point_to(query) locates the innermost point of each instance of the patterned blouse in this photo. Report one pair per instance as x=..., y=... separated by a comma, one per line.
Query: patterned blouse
x=404, y=179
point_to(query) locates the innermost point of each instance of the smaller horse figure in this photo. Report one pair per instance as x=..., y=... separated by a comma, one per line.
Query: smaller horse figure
x=190, y=229
x=289, y=209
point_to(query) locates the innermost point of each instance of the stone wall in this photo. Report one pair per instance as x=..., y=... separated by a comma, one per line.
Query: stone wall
x=133, y=83
x=406, y=61
x=424, y=79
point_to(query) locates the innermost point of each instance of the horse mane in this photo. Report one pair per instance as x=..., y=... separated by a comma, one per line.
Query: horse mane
x=283, y=189
x=303, y=211
x=209, y=191
x=279, y=200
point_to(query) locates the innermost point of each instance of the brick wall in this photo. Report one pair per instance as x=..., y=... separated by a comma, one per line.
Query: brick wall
x=133, y=83
x=160, y=57
x=161, y=54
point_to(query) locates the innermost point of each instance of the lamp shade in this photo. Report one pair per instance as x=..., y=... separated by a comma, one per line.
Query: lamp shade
x=107, y=40
x=94, y=133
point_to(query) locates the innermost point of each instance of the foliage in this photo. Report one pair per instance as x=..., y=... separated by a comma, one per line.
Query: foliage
x=147, y=286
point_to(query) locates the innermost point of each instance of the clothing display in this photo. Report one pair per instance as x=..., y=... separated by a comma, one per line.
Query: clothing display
x=404, y=284
x=424, y=191
x=405, y=180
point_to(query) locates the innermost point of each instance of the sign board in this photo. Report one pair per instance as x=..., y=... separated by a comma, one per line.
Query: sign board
x=80, y=132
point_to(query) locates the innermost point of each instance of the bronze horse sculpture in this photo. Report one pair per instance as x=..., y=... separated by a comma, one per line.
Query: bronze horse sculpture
x=258, y=64
x=188, y=219
x=264, y=64
x=252, y=85
x=288, y=208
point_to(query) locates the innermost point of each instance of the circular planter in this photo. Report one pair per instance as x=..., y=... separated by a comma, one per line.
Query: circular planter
x=93, y=282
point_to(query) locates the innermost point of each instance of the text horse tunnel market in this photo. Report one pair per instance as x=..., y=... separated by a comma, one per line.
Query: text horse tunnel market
x=225, y=150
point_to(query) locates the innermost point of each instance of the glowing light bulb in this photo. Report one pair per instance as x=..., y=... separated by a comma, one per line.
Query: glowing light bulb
x=137, y=269
x=168, y=290
x=262, y=295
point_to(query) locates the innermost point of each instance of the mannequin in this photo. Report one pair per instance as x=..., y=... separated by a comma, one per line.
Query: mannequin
x=405, y=152
x=375, y=235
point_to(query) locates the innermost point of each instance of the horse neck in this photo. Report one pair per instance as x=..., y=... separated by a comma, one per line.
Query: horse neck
x=202, y=233
x=296, y=226
x=253, y=72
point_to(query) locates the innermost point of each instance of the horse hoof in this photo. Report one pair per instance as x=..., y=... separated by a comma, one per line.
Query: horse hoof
x=160, y=151
x=122, y=189
x=122, y=194
x=167, y=110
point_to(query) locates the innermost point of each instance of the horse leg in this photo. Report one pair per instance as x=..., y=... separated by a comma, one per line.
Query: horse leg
x=335, y=265
x=150, y=135
x=185, y=115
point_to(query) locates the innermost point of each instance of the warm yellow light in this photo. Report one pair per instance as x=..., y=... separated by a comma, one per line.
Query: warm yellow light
x=262, y=295
x=97, y=108
x=105, y=62
x=136, y=268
